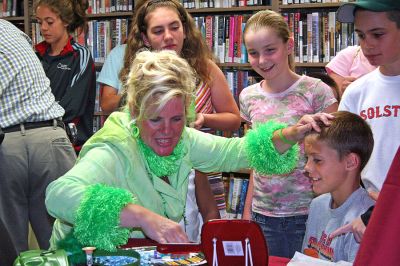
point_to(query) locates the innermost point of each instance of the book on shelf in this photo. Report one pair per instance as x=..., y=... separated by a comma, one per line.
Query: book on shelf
x=236, y=187
x=317, y=35
x=108, y=6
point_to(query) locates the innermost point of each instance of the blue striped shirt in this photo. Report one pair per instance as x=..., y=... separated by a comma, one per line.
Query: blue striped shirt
x=25, y=93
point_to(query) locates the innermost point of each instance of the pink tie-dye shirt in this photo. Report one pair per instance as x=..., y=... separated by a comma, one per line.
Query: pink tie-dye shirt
x=291, y=194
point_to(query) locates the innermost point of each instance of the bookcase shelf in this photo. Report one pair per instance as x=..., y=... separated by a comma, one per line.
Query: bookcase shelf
x=14, y=19
x=117, y=14
x=247, y=9
x=22, y=20
x=310, y=6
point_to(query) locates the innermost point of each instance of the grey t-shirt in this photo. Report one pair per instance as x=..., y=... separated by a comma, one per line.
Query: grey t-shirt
x=323, y=220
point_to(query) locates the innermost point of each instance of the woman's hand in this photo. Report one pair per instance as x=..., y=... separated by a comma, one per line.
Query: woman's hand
x=154, y=226
x=198, y=124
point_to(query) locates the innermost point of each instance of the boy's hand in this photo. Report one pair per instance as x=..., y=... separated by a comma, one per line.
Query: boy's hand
x=357, y=227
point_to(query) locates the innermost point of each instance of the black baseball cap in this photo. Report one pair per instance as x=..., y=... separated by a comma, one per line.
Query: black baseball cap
x=345, y=12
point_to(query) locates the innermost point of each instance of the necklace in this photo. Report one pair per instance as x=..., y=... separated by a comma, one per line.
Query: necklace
x=161, y=165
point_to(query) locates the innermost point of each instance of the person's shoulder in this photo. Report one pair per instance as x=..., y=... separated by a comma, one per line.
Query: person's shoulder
x=251, y=87
x=119, y=49
x=81, y=49
x=350, y=50
x=362, y=83
x=321, y=201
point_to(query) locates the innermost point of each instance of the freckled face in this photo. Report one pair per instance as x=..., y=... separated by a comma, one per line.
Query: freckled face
x=163, y=131
x=52, y=28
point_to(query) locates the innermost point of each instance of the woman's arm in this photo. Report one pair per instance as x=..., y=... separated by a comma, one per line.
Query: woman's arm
x=110, y=99
x=227, y=112
x=156, y=227
x=249, y=199
x=205, y=198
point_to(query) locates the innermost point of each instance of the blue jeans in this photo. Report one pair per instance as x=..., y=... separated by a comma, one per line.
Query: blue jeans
x=284, y=235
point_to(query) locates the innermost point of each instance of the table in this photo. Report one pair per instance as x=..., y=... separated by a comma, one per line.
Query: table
x=132, y=243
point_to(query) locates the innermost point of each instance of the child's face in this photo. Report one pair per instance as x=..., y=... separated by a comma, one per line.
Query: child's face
x=379, y=38
x=324, y=168
x=53, y=29
x=164, y=30
x=267, y=52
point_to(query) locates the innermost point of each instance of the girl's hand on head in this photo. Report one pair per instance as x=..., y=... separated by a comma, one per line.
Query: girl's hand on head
x=311, y=121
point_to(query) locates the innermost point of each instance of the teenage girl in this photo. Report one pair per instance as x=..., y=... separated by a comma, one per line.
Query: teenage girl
x=67, y=64
x=279, y=202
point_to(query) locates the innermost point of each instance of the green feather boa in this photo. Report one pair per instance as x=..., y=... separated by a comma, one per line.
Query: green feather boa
x=161, y=165
x=261, y=152
x=98, y=217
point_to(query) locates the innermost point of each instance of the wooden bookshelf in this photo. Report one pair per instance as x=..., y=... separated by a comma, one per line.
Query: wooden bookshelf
x=310, y=6
x=23, y=21
x=230, y=10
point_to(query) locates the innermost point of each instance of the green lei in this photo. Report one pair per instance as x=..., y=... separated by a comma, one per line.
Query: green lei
x=162, y=165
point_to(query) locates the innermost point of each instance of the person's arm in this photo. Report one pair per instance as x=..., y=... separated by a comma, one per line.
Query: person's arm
x=226, y=116
x=155, y=226
x=249, y=199
x=110, y=99
x=297, y=132
x=205, y=198
x=342, y=81
x=358, y=225
x=76, y=95
x=263, y=148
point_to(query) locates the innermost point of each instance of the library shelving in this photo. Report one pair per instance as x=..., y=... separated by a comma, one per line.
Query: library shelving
x=316, y=43
x=17, y=12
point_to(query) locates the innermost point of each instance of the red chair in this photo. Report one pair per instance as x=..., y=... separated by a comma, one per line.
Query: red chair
x=233, y=242
x=379, y=245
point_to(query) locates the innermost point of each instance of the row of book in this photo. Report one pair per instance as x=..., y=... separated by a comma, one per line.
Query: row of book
x=236, y=187
x=104, y=35
x=223, y=35
x=289, y=2
x=238, y=80
x=223, y=3
x=10, y=8
x=318, y=36
x=107, y=6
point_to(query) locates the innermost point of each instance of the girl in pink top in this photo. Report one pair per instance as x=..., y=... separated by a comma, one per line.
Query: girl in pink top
x=279, y=203
x=348, y=65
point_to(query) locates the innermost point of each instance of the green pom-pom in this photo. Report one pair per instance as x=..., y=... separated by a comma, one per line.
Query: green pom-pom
x=97, y=220
x=261, y=152
x=73, y=248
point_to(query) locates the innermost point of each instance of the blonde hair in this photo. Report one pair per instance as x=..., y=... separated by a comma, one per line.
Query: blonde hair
x=154, y=79
x=273, y=20
x=194, y=50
